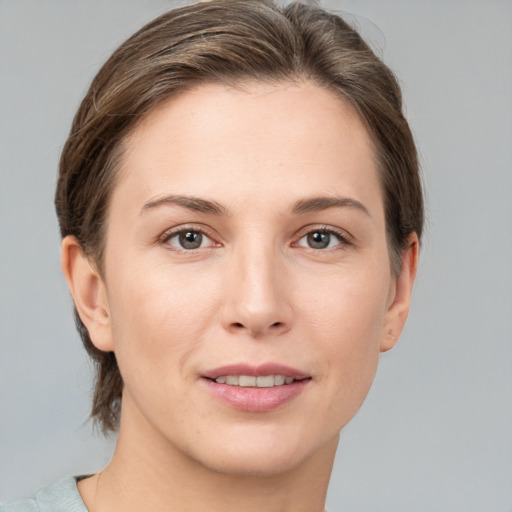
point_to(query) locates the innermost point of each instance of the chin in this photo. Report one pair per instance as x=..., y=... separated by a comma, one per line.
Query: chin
x=257, y=454
x=261, y=465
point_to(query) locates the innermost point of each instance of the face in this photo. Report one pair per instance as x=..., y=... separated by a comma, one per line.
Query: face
x=247, y=282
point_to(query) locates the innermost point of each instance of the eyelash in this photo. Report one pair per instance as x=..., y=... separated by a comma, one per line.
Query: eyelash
x=168, y=235
x=342, y=237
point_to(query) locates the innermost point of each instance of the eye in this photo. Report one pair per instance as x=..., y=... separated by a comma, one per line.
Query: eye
x=188, y=239
x=321, y=239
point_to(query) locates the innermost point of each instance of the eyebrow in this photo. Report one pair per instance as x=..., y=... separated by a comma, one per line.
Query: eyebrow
x=317, y=204
x=314, y=204
x=195, y=204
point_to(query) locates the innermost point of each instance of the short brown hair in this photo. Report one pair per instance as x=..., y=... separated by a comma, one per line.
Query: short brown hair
x=226, y=42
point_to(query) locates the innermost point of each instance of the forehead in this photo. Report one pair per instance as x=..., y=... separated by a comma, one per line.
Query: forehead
x=279, y=139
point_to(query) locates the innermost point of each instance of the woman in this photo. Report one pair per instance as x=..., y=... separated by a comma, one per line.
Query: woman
x=241, y=211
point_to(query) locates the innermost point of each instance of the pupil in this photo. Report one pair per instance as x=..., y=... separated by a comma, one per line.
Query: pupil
x=319, y=240
x=190, y=240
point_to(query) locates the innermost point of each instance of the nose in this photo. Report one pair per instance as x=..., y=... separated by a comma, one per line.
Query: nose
x=257, y=300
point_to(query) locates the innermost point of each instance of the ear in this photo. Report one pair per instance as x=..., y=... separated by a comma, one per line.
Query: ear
x=88, y=291
x=400, y=295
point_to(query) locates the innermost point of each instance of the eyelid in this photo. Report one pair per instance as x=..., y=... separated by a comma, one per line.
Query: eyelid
x=344, y=237
x=169, y=233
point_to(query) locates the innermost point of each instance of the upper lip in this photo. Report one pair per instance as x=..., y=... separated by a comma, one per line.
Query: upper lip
x=255, y=371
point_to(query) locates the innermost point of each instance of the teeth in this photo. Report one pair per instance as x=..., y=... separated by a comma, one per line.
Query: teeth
x=246, y=381
x=268, y=381
x=264, y=381
x=279, y=380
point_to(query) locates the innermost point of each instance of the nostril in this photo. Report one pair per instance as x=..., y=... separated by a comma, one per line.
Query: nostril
x=240, y=325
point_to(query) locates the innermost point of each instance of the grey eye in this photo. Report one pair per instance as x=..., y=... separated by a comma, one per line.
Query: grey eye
x=189, y=239
x=318, y=240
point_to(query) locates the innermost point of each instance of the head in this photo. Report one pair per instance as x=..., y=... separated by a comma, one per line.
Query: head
x=247, y=47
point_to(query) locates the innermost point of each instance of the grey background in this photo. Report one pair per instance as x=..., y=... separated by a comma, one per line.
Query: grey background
x=435, y=433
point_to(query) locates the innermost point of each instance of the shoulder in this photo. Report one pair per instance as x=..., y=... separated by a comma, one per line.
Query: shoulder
x=62, y=496
x=20, y=506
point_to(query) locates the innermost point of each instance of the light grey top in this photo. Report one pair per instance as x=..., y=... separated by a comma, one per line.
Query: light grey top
x=62, y=496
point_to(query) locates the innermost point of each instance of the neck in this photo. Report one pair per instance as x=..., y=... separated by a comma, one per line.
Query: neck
x=148, y=473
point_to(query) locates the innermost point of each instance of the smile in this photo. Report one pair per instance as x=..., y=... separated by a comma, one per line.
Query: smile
x=256, y=389
x=262, y=381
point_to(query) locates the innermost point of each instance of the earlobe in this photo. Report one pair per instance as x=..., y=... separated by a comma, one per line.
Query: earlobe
x=88, y=291
x=400, y=301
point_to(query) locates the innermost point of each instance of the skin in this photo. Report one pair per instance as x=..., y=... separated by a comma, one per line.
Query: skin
x=255, y=291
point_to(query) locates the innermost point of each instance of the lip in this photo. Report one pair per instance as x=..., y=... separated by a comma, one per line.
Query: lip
x=255, y=371
x=253, y=399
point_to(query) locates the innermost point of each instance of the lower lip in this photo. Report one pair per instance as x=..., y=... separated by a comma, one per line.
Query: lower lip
x=251, y=399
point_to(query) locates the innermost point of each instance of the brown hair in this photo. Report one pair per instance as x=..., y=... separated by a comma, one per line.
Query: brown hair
x=227, y=42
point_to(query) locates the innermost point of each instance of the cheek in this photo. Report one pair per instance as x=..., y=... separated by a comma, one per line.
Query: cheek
x=157, y=318
x=348, y=307
x=345, y=318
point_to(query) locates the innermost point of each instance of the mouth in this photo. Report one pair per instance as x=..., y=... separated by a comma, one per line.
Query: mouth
x=251, y=381
x=256, y=389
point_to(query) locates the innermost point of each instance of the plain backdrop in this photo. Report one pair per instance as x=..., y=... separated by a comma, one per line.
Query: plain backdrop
x=435, y=433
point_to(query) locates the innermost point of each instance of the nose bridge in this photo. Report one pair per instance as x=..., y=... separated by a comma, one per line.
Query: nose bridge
x=258, y=301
